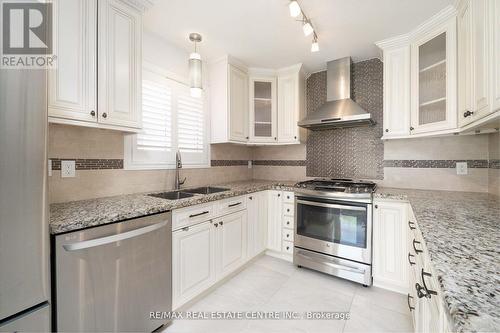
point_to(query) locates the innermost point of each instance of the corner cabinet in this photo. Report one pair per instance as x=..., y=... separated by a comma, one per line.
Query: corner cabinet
x=255, y=106
x=97, y=81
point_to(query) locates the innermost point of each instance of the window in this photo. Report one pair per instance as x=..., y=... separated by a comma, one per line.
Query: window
x=171, y=120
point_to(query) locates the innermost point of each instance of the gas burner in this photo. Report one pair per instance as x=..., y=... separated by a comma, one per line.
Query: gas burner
x=341, y=186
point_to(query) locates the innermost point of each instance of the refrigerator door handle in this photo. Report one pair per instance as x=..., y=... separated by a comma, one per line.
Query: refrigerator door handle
x=114, y=238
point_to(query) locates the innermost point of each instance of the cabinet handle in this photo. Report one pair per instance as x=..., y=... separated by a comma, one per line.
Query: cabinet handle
x=295, y=137
x=427, y=290
x=417, y=251
x=250, y=198
x=288, y=247
x=409, y=306
x=247, y=137
x=409, y=260
x=386, y=130
x=233, y=205
x=288, y=210
x=199, y=214
x=411, y=128
x=288, y=197
x=221, y=223
x=411, y=225
x=216, y=225
x=376, y=206
x=279, y=195
x=468, y=113
x=420, y=290
x=185, y=229
x=104, y=115
x=287, y=222
x=275, y=138
x=92, y=113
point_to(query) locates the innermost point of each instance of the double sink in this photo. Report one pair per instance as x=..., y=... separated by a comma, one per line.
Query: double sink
x=176, y=195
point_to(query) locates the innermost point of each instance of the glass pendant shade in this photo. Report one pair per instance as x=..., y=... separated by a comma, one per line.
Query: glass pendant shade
x=307, y=28
x=294, y=9
x=195, y=79
x=315, y=46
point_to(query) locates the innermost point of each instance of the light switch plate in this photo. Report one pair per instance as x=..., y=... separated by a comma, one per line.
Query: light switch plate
x=461, y=168
x=67, y=169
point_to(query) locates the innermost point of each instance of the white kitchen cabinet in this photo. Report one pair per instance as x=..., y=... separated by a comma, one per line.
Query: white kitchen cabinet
x=474, y=60
x=120, y=64
x=274, y=226
x=396, y=100
x=72, y=92
x=228, y=101
x=263, y=110
x=291, y=103
x=97, y=82
x=231, y=249
x=256, y=223
x=193, y=261
x=433, y=78
x=390, y=266
x=494, y=17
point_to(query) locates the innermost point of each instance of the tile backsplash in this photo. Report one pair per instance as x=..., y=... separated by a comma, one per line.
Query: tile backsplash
x=348, y=152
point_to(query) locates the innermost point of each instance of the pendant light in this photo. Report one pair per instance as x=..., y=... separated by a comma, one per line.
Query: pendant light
x=195, y=79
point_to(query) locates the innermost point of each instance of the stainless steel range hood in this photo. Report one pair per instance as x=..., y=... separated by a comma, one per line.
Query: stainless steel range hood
x=339, y=110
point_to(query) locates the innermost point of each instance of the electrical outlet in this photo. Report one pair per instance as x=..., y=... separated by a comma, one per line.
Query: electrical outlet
x=461, y=168
x=249, y=164
x=49, y=167
x=67, y=169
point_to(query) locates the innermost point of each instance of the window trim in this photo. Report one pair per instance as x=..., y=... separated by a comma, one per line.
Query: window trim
x=130, y=142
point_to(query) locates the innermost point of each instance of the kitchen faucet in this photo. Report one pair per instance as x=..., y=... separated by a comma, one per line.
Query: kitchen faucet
x=178, y=166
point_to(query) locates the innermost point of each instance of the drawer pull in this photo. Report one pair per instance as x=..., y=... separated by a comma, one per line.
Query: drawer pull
x=288, y=210
x=411, y=225
x=288, y=248
x=420, y=291
x=287, y=222
x=427, y=290
x=199, y=214
x=215, y=224
x=221, y=223
x=409, y=260
x=417, y=251
x=409, y=305
x=233, y=205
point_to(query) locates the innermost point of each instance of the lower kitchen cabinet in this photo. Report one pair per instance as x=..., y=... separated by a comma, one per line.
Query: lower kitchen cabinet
x=256, y=223
x=193, y=261
x=390, y=269
x=231, y=242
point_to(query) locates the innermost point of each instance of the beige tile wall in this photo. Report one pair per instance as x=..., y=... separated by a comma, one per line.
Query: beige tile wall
x=290, y=152
x=494, y=174
x=81, y=142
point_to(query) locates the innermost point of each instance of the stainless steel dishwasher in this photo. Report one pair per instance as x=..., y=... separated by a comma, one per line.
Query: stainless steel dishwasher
x=110, y=278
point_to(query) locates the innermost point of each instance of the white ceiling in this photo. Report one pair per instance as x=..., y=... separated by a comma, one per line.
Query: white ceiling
x=262, y=34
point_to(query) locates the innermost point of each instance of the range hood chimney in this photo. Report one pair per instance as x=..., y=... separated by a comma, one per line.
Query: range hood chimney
x=339, y=110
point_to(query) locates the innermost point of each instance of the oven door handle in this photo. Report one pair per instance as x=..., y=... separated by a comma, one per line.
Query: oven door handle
x=338, y=266
x=326, y=205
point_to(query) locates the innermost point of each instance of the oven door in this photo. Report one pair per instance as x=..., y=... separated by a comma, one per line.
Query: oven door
x=335, y=228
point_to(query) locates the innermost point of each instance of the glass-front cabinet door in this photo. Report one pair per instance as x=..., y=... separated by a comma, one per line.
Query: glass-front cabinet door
x=263, y=111
x=434, y=80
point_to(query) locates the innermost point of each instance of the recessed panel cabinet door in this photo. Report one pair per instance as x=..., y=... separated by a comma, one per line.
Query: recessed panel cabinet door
x=72, y=84
x=288, y=108
x=238, y=105
x=231, y=242
x=193, y=253
x=495, y=54
x=120, y=64
x=390, y=265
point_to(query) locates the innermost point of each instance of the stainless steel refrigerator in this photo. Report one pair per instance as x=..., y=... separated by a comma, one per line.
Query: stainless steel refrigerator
x=24, y=239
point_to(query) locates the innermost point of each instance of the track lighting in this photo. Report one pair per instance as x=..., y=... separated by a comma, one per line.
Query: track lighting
x=294, y=9
x=307, y=28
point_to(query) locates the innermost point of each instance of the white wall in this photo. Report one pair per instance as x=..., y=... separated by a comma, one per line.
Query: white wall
x=161, y=53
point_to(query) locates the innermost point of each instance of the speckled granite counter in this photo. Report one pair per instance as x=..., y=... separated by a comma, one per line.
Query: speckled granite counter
x=461, y=231
x=71, y=216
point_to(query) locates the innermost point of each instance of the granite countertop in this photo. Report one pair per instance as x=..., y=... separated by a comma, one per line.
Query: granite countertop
x=76, y=215
x=461, y=232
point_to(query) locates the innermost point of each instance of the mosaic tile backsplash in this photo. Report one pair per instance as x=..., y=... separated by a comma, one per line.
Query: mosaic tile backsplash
x=348, y=152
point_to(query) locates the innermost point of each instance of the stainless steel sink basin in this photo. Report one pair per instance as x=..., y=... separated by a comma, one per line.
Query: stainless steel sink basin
x=172, y=195
x=206, y=190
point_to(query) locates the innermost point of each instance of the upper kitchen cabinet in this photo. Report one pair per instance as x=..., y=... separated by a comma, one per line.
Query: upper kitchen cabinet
x=255, y=106
x=420, y=79
x=229, y=101
x=494, y=48
x=433, y=76
x=263, y=110
x=97, y=82
x=474, y=57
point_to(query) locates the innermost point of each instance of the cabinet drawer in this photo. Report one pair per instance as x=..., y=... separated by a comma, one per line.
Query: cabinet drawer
x=287, y=247
x=288, y=209
x=188, y=216
x=231, y=205
x=288, y=222
x=288, y=197
x=288, y=235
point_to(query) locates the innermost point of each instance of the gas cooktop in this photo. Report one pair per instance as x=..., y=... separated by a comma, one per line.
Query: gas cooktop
x=339, y=188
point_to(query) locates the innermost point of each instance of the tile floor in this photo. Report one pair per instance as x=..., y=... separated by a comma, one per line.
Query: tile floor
x=271, y=284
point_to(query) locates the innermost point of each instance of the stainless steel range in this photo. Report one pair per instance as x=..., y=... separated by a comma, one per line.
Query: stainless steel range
x=333, y=227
